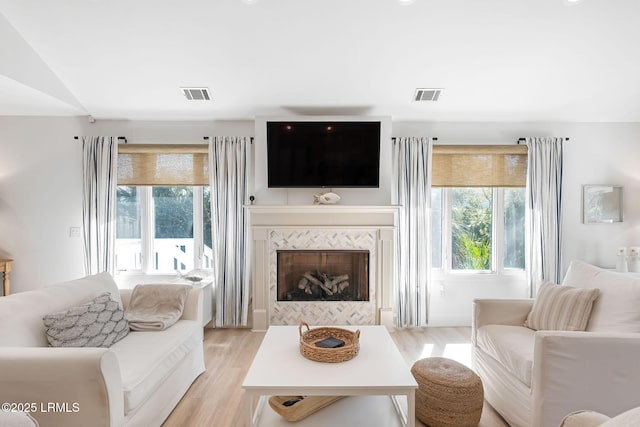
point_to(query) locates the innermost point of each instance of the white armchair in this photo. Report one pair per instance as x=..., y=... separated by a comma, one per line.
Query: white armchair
x=535, y=378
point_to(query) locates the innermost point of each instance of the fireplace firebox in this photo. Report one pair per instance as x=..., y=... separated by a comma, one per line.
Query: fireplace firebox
x=323, y=275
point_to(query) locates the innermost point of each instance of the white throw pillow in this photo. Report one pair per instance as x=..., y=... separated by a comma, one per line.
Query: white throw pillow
x=561, y=308
x=617, y=309
x=98, y=323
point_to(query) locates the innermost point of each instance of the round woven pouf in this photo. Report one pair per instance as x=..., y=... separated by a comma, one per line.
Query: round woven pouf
x=449, y=394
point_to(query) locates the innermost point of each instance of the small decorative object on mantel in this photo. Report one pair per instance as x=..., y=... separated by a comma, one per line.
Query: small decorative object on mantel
x=329, y=198
x=310, y=348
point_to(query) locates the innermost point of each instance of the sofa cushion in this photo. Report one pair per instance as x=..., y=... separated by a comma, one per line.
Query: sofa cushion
x=147, y=358
x=17, y=419
x=626, y=419
x=561, y=308
x=511, y=346
x=98, y=323
x=584, y=418
x=587, y=418
x=617, y=309
x=21, y=313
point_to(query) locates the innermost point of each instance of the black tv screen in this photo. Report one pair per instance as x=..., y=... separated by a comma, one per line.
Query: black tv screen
x=323, y=154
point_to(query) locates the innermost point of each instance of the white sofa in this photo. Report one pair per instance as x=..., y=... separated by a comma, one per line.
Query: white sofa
x=535, y=378
x=136, y=382
x=595, y=419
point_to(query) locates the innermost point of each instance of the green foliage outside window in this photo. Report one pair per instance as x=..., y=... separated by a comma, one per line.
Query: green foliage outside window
x=514, y=241
x=173, y=208
x=206, y=217
x=127, y=213
x=471, y=228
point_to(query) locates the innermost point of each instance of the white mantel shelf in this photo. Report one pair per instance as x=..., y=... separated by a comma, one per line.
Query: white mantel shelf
x=322, y=208
x=322, y=215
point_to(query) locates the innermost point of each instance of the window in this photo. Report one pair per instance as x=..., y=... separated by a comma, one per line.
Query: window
x=164, y=225
x=163, y=228
x=514, y=235
x=471, y=228
x=128, y=229
x=478, y=209
x=478, y=229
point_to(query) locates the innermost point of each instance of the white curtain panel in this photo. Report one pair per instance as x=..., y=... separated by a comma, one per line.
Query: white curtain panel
x=228, y=180
x=544, y=211
x=99, y=159
x=411, y=189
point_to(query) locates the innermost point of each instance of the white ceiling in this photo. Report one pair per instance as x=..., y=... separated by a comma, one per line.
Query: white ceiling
x=498, y=60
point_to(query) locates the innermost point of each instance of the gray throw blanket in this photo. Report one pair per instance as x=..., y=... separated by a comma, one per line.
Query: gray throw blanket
x=156, y=307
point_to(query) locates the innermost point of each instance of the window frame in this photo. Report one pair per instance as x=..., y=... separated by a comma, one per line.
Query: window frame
x=147, y=230
x=497, y=239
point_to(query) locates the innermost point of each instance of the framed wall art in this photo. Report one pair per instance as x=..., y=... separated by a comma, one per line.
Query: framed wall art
x=601, y=204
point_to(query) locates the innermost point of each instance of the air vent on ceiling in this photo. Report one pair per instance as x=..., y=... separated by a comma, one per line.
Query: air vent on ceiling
x=427, y=94
x=196, y=93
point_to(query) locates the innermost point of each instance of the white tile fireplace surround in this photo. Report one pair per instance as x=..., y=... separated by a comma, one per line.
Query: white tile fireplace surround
x=322, y=227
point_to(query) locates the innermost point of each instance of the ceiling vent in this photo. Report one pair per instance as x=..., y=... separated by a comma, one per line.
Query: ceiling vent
x=196, y=93
x=427, y=94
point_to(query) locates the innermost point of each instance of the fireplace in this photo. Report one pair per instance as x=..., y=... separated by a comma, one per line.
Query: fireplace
x=343, y=228
x=323, y=275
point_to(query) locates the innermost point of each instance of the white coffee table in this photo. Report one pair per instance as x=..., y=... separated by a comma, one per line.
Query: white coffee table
x=379, y=369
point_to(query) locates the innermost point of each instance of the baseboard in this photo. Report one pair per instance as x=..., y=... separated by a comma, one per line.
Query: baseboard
x=260, y=321
x=449, y=321
x=386, y=317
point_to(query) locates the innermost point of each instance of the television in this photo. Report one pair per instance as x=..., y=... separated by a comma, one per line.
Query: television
x=311, y=154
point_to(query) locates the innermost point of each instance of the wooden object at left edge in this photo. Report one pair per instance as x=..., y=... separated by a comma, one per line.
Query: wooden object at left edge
x=5, y=269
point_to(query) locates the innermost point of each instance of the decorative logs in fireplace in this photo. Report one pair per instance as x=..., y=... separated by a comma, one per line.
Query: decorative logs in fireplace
x=321, y=285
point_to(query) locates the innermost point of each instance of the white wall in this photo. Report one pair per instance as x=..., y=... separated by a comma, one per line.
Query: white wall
x=40, y=198
x=40, y=189
x=601, y=154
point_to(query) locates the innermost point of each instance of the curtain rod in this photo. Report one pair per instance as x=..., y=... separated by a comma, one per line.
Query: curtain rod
x=524, y=139
x=120, y=138
x=206, y=138
x=395, y=137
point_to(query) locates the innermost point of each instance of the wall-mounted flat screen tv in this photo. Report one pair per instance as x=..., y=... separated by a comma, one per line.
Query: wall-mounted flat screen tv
x=323, y=154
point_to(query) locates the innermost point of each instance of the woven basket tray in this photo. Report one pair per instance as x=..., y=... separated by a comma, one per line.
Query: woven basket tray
x=301, y=409
x=330, y=355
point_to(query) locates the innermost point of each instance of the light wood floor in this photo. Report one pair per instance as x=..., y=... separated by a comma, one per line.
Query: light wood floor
x=215, y=398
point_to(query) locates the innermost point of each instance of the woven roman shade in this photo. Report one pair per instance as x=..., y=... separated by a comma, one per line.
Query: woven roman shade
x=163, y=164
x=479, y=166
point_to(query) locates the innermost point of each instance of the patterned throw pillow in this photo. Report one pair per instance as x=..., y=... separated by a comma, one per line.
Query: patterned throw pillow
x=98, y=323
x=561, y=308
